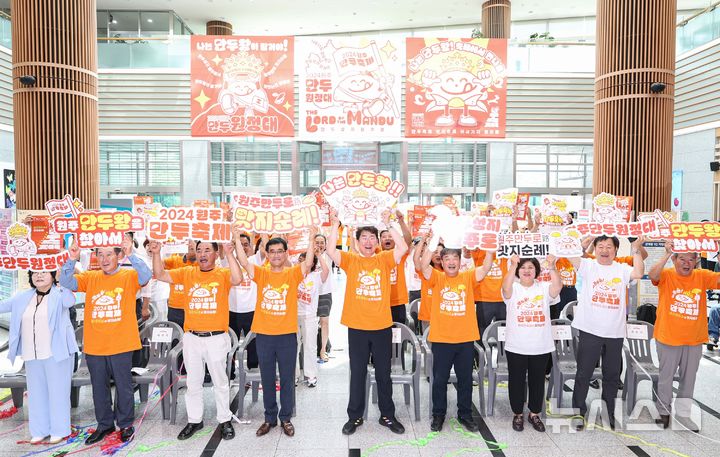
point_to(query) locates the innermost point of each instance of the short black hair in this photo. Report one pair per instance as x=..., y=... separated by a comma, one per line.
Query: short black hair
x=215, y=246
x=146, y=242
x=30, y=276
x=276, y=240
x=320, y=235
x=381, y=232
x=532, y=260
x=246, y=236
x=449, y=251
x=614, y=239
x=367, y=228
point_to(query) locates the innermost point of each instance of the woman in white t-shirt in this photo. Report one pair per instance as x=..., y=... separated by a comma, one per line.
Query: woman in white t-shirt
x=528, y=335
x=308, y=293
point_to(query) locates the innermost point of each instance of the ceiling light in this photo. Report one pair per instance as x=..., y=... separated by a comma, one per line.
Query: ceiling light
x=149, y=20
x=114, y=21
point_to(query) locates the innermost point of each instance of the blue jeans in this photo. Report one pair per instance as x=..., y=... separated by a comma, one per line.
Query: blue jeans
x=280, y=349
x=714, y=323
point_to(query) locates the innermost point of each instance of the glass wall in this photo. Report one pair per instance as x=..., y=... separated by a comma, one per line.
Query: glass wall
x=309, y=166
x=119, y=24
x=552, y=168
x=697, y=31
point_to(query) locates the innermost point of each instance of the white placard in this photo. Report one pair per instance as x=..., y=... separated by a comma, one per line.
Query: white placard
x=561, y=332
x=501, y=333
x=636, y=332
x=161, y=335
x=396, y=335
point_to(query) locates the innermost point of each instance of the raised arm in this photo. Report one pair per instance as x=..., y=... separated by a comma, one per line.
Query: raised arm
x=407, y=236
x=509, y=279
x=67, y=272
x=423, y=255
x=144, y=273
x=638, y=265
x=555, y=280
x=401, y=247
x=306, y=266
x=158, y=266
x=482, y=271
x=655, y=270
x=638, y=244
x=240, y=256
x=236, y=275
x=331, y=247
x=323, y=266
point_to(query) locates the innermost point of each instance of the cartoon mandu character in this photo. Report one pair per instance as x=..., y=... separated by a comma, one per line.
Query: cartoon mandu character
x=361, y=92
x=242, y=88
x=456, y=88
x=19, y=242
x=361, y=206
x=605, y=209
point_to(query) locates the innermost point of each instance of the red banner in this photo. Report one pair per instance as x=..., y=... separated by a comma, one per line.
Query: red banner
x=455, y=88
x=242, y=86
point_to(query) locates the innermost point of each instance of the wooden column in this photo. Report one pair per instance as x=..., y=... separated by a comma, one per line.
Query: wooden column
x=218, y=28
x=634, y=117
x=56, y=118
x=496, y=19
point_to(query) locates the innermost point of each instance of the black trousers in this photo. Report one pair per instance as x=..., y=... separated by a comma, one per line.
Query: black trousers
x=399, y=314
x=177, y=316
x=102, y=369
x=362, y=344
x=526, y=370
x=589, y=351
x=243, y=321
x=445, y=356
x=487, y=311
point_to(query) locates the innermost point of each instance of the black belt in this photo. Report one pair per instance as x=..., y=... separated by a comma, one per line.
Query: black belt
x=205, y=334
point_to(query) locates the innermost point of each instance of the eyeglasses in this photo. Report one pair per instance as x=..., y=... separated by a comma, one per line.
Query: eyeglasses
x=282, y=251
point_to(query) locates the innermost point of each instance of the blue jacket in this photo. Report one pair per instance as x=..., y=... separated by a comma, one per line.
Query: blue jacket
x=62, y=341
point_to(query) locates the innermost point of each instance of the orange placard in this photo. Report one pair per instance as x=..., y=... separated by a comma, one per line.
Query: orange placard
x=695, y=236
x=46, y=240
x=242, y=86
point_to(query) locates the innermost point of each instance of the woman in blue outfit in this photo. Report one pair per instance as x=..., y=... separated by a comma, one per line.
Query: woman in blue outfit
x=42, y=334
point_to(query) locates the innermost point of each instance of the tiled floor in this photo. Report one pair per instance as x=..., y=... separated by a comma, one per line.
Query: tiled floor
x=321, y=414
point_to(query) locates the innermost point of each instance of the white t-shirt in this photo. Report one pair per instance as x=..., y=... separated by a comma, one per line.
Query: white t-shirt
x=528, y=328
x=412, y=277
x=602, y=300
x=244, y=296
x=327, y=286
x=308, y=293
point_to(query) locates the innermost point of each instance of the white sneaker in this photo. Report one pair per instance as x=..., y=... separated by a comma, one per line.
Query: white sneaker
x=37, y=439
x=56, y=439
x=312, y=382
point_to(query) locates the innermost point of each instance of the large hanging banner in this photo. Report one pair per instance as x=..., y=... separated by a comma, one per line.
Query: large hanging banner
x=455, y=88
x=242, y=86
x=349, y=88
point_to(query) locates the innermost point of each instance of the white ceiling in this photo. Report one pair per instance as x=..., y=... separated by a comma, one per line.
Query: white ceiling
x=337, y=16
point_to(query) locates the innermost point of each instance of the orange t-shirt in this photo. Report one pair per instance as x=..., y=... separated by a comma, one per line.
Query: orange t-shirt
x=398, y=287
x=453, y=317
x=682, y=307
x=206, y=297
x=176, y=299
x=367, y=293
x=566, y=271
x=490, y=288
x=110, y=321
x=425, y=298
x=276, y=309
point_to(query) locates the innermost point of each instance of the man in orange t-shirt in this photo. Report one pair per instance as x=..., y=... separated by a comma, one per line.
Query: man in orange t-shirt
x=366, y=313
x=206, y=341
x=681, y=328
x=110, y=332
x=489, y=304
x=453, y=331
x=398, y=286
x=425, y=289
x=275, y=325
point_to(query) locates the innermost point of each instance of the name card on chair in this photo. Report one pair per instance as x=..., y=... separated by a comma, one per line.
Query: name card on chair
x=636, y=331
x=161, y=335
x=501, y=333
x=561, y=332
x=396, y=335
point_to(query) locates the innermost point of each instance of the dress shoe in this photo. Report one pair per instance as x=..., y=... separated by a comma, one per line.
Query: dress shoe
x=664, y=421
x=56, y=439
x=98, y=435
x=437, y=423
x=578, y=423
x=536, y=422
x=469, y=424
x=518, y=423
x=352, y=425
x=595, y=384
x=190, y=430
x=127, y=433
x=37, y=439
x=393, y=424
x=264, y=428
x=227, y=430
x=287, y=428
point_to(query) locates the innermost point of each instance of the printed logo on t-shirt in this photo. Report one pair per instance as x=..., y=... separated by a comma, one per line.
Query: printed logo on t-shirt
x=203, y=298
x=685, y=304
x=369, y=285
x=453, y=300
x=495, y=272
x=246, y=282
x=567, y=277
x=530, y=311
x=178, y=288
x=605, y=293
x=305, y=289
x=106, y=306
x=273, y=300
x=394, y=276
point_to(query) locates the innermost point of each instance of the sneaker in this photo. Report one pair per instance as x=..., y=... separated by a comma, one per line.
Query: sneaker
x=518, y=423
x=56, y=439
x=37, y=439
x=352, y=425
x=578, y=423
x=469, y=424
x=437, y=423
x=595, y=384
x=312, y=382
x=537, y=424
x=393, y=424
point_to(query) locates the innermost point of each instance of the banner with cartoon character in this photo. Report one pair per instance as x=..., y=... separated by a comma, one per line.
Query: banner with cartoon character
x=23, y=254
x=504, y=201
x=554, y=210
x=242, y=86
x=524, y=244
x=566, y=243
x=360, y=196
x=275, y=214
x=455, y=87
x=609, y=208
x=182, y=223
x=349, y=87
